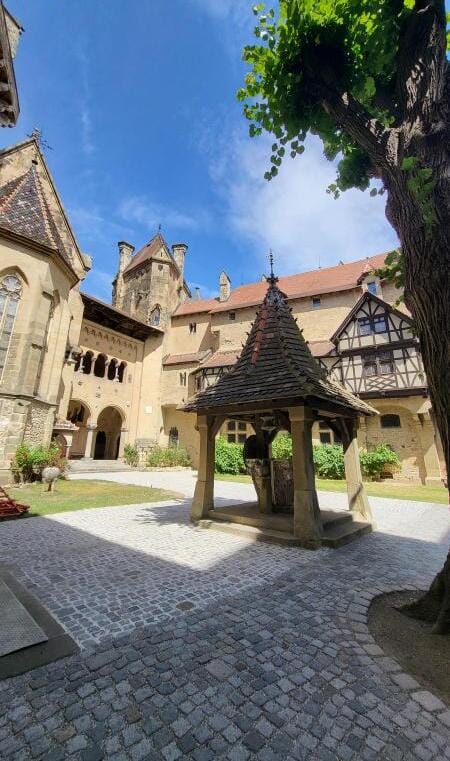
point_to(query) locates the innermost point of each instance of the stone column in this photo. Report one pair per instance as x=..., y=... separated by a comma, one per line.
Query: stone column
x=123, y=441
x=203, y=500
x=90, y=442
x=357, y=497
x=426, y=440
x=307, y=520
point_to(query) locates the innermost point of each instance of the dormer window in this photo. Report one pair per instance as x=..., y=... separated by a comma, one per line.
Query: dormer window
x=316, y=302
x=232, y=316
x=192, y=327
x=183, y=379
x=372, y=287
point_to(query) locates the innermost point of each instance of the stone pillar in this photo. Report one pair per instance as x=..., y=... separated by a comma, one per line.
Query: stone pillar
x=90, y=442
x=430, y=472
x=203, y=500
x=357, y=497
x=307, y=520
x=122, y=442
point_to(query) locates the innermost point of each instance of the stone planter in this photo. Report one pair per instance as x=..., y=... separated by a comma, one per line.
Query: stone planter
x=282, y=484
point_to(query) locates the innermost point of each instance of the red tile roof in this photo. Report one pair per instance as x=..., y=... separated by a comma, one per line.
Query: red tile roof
x=328, y=280
x=320, y=348
x=221, y=359
x=184, y=359
x=146, y=253
x=276, y=366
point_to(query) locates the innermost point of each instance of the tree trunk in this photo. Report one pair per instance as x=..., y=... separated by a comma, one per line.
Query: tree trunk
x=426, y=252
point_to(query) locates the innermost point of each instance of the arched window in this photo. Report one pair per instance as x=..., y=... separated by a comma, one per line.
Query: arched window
x=10, y=293
x=121, y=372
x=112, y=370
x=390, y=421
x=173, y=437
x=86, y=363
x=100, y=366
x=155, y=316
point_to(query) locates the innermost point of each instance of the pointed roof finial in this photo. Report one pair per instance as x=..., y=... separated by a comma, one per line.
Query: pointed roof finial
x=159, y=227
x=272, y=279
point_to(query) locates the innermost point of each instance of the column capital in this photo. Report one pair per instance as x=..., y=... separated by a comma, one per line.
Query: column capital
x=300, y=414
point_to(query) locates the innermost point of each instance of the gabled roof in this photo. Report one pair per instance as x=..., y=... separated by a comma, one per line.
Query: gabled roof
x=367, y=296
x=147, y=252
x=276, y=367
x=24, y=196
x=221, y=359
x=328, y=280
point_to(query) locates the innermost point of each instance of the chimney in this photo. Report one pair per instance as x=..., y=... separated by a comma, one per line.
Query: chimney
x=179, y=254
x=125, y=254
x=224, y=287
x=197, y=293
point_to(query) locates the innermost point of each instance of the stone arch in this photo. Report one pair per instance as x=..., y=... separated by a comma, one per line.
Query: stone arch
x=100, y=366
x=80, y=414
x=109, y=431
x=14, y=270
x=86, y=362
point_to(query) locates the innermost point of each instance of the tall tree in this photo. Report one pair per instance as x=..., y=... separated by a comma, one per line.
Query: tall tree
x=371, y=79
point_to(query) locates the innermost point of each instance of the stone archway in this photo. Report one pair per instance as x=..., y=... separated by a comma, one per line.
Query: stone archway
x=109, y=428
x=79, y=414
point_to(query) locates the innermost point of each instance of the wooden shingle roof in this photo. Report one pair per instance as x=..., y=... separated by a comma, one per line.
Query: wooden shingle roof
x=275, y=367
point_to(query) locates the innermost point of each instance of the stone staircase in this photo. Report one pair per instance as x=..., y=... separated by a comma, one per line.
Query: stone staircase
x=339, y=527
x=97, y=466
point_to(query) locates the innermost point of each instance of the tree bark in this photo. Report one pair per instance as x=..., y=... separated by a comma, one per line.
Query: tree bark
x=434, y=606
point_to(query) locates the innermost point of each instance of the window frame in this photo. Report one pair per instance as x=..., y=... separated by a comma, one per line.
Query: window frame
x=316, y=302
x=9, y=296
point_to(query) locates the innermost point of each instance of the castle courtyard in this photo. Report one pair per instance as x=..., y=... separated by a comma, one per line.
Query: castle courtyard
x=202, y=644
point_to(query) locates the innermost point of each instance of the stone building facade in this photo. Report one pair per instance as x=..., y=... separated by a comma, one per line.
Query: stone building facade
x=117, y=373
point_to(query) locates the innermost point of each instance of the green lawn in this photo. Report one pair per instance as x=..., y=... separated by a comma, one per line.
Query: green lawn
x=79, y=495
x=383, y=489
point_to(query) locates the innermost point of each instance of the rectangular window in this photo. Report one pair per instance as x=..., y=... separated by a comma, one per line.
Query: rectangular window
x=192, y=327
x=386, y=362
x=232, y=316
x=231, y=438
x=364, y=326
x=370, y=365
x=380, y=323
x=183, y=379
x=242, y=425
x=231, y=425
x=325, y=438
x=372, y=287
x=241, y=438
x=316, y=302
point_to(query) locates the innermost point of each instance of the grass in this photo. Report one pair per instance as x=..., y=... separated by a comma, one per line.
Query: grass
x=415, y=492
x=81, y=495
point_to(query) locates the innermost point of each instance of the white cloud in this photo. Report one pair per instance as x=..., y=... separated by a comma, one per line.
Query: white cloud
x=293, y=214
x=151, y=214
x=95, y=227
x=98, y=283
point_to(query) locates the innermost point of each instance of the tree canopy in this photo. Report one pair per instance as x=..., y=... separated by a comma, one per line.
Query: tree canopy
x=308, y=53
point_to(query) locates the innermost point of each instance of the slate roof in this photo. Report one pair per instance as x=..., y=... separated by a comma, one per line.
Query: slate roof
x=24, y=210
x=327, y=280
x=276, y=366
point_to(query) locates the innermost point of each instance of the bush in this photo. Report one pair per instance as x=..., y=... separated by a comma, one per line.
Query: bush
x=329, y=461
x=229, y=457
x=374, y=460
x=29, y=462
x=167, y=457
x=282, y=447
x=131, y=455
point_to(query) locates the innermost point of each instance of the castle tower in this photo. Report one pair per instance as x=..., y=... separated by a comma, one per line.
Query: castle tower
x=224, y=286
x=179, y=254
x=125, y=255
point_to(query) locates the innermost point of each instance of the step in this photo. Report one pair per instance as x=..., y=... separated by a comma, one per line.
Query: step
x=284, y=538
x=97, y=466
x=343, y=533
x=331, y=518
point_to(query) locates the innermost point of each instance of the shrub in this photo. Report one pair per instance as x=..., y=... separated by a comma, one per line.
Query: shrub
x=374, y=460
x=167, y=457
x=282, y=447
x=329, y=461
x=29, y=462
x=229, y=457
x=131, y=455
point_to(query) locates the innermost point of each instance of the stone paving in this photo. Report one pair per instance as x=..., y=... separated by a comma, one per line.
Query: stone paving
x=203, y=645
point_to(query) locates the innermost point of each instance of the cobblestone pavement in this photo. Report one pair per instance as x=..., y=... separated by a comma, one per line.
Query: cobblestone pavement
x=204, y=645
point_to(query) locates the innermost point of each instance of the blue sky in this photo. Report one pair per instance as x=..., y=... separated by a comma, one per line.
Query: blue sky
x=137, y=100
